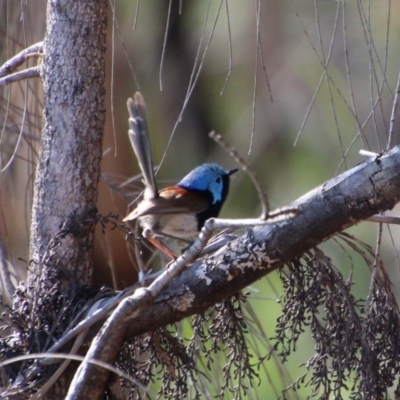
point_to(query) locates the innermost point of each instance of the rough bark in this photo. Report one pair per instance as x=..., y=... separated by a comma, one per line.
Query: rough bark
x=73, y=72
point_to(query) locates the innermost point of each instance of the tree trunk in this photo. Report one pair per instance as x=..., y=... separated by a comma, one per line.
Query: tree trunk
x=65, y=191
x=73, y=72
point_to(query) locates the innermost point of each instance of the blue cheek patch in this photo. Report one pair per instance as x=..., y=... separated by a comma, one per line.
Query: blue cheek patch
x=216, y=191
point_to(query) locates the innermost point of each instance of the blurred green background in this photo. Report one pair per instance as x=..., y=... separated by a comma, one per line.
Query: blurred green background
x=298, y=88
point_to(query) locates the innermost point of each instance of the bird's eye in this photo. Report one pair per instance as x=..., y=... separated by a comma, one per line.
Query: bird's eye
x=218, y=180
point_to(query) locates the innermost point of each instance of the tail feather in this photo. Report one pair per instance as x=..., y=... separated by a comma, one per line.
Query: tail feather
x=139, y=137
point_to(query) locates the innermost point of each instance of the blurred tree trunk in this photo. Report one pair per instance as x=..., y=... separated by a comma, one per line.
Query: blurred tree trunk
x=65, y=191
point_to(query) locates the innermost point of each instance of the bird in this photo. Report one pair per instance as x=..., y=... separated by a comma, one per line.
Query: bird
x=178, y=211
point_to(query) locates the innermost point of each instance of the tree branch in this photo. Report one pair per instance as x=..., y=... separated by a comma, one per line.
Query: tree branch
x=33, y=72
x=13, y=63
x=371, y=187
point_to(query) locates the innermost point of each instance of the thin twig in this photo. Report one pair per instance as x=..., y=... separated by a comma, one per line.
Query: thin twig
x=164, y=48
x=248, y=169
x=6, y=282
x=33, y=72
x=385, y=219
x=368, y=154
x=74, y=357
x=394, y=111
x=60, y=370
x=229, y=48
x=13, y=63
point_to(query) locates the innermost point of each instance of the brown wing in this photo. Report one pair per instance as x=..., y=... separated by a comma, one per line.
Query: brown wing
x=171, y=200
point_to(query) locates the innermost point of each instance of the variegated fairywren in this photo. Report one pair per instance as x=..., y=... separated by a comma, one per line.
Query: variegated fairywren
x=177, y=211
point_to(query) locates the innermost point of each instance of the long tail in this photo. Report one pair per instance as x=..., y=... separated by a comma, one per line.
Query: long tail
x=139, y=136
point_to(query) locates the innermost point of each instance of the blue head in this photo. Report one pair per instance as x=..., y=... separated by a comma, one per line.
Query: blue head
x=210, y=179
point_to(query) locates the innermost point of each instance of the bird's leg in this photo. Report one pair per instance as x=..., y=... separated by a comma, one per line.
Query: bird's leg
x=160, y=246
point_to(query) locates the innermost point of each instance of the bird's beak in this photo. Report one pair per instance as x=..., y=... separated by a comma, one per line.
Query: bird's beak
x=232, y=171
